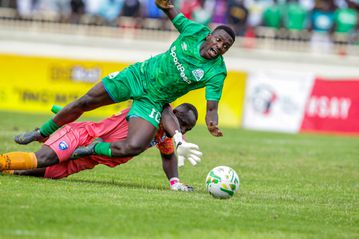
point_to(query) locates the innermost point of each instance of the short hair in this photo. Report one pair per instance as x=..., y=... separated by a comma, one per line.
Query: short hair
x=226, y=29
x=190, y=107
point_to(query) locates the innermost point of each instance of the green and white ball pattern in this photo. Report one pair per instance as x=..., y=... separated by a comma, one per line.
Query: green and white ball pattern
x=222, y=182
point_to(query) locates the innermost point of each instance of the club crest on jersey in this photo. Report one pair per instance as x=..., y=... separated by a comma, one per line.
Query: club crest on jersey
x=184, y=46
x=113, y=74
x=198, y=74
x=63, y=145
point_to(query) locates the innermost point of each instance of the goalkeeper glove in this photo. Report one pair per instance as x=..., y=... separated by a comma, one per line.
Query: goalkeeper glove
x=176, y=185
x=186, y=150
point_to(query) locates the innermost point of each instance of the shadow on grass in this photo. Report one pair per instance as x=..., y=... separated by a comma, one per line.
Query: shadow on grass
x=130, y=185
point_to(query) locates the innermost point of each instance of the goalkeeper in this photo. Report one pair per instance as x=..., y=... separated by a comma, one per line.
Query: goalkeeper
x=193, y=61
x=55, y=158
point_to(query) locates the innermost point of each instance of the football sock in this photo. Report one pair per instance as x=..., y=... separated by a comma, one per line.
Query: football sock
x=56, y=109
x=17, y=160
x=103, y=149
x=48, y=128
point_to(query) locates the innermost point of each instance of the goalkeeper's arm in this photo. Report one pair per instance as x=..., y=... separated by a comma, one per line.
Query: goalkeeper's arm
x=173, y=129
x=169, y=165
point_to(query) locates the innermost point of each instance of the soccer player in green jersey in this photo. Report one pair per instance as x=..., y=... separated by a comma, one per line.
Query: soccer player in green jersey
x=193, y=61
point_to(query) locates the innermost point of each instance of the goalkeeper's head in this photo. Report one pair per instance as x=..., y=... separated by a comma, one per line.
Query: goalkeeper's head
x=187, y=116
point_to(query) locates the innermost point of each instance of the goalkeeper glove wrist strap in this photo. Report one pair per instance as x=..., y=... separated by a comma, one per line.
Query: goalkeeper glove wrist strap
x=48, y=128
x=103, y=149
x=177, y=137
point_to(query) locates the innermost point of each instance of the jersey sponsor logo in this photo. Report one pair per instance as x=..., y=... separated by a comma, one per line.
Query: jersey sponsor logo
x=184, y=46
x=198, y=74
x=63, y=145
x=113, y=74
x=179, y=66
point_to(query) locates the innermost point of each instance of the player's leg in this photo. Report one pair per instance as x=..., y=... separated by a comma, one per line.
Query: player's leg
x=37, y=172
x=57, y=148
x=96, y=97
x=57, y=171
x=28, y=160
x=143, y=121
x=140, y=134
x=67, y=168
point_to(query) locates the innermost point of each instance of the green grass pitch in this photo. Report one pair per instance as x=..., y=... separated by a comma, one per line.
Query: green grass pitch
x=292, y=186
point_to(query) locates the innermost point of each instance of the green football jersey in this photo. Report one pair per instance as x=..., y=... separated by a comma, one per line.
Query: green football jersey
x=181, y=68
x=346, y=20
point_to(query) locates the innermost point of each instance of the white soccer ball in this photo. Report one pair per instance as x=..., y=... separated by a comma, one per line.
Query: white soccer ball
x=222, y=182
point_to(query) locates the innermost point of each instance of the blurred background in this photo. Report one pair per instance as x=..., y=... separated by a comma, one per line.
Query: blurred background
x=294, y=66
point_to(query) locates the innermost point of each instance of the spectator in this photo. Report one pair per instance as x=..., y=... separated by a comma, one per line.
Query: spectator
x=256, y=8
x=92, y=7
x=9, y=4
x=131, y=8
x=295, y=17
x=203, y=13
x=77, y=10
x=321, y=23
x=322, y=16
x=237, y=16
x=346, y=19
x=272, y=16
x=151, y=10
x=25, y=7
x=220, y=12
x=187, y=7
x=110, y=10
x=307, y=4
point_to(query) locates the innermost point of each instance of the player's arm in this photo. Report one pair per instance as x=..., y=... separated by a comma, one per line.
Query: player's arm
x=212, y=118
x=168, y=8
x=173, y=130
x=169, y=121
x=169, y=165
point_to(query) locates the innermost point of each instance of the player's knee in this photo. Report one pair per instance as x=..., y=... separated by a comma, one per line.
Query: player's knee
x=45, y=159
x=134, y=149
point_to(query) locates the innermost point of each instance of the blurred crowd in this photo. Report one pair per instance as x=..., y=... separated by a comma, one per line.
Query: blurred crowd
x=320, y=17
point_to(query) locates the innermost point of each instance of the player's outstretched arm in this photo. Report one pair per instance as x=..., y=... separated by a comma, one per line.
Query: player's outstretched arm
x=169, y=165
x=168, y=8
x=212, y=118
x=173, y=129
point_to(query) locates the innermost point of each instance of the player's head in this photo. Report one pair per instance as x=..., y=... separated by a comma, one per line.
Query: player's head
x=187, y=116
x=218, y=42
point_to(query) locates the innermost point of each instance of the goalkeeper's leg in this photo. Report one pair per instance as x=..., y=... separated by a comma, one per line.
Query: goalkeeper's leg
x=96, y=97
x=37, y=172
x=28, y=160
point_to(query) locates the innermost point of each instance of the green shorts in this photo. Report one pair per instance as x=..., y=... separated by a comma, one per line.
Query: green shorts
x=129, y=84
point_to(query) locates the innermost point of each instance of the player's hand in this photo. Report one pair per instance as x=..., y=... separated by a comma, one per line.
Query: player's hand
x=164, y=4
x=188, y=151
x=214, y=130
x=85, y=150
x=176, y=185
x=29, y=137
